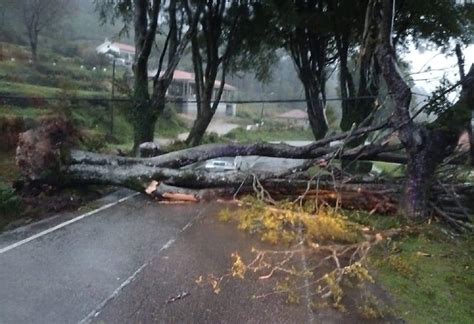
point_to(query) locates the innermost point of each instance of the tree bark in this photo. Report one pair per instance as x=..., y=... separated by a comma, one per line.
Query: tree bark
x=34, y=47
x=44, y=157
x=315, y=108
x=199, y=129
x=426, y=146
x=309, y=51
x=208, y=60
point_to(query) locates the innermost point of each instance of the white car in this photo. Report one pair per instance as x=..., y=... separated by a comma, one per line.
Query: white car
x=220, y=165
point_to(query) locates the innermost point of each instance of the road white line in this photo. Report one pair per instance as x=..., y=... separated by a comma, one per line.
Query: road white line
x=117, y=291
x=130, y=279
x=52, y=229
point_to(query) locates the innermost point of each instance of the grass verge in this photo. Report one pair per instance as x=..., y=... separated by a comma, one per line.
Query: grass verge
x=430, y=275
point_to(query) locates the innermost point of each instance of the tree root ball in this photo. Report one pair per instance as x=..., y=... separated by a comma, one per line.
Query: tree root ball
x=39, y=150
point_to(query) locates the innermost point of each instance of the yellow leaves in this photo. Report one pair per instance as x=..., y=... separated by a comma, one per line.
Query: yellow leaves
x=271, y=237
x=335, y=289
x=325, y=227
x=199, y=280
x=358, y=272
x=214, y=282
x=215, y=286
x=238, y=267
x=285, y=223
x=224, y=215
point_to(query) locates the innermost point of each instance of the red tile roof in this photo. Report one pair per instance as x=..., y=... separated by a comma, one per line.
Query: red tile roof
x=187, y=76
x=124, y=47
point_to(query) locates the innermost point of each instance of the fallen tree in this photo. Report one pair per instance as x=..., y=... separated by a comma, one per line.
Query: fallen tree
x=45, y=155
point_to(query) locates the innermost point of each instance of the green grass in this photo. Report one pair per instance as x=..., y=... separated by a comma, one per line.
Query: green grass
x=269, y=134
x=30, y=90
x=169, y=125
x=26, y=112
x=430, y=276
x=380, y=222
x=8, y=168
x=391, y=169
x=10, y=204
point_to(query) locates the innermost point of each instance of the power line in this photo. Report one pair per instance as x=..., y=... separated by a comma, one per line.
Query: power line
x=39, y=100
x=97, y=99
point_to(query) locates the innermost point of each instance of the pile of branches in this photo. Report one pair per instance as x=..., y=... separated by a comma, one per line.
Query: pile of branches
x=319, y=257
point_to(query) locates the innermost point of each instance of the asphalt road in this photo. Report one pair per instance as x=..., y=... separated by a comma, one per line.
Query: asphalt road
x=125, y=261
x=64, y=275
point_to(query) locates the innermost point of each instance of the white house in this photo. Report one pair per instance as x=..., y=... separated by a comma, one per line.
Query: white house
x=183, y=91
x=123, y=53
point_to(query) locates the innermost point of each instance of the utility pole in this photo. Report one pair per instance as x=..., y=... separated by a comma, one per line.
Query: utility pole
x=112, y=100
x=2, y=22
x=263, y=106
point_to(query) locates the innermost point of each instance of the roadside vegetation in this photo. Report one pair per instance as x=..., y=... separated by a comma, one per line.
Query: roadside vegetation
x=427, y=269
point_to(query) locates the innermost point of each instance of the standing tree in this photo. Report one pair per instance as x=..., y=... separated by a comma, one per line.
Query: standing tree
x=212, y=50
x=41, y=14
x=307, y=37
x=230, y=38
x=436, y=22
x=145, y=14
x=426, y=145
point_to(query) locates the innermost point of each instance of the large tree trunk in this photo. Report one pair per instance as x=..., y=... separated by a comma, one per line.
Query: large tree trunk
x=426, y=146
x=44, y=157
x=199, y=129
x=143, y=115
x=315, y=108
x=33, y=38
x=145, y=22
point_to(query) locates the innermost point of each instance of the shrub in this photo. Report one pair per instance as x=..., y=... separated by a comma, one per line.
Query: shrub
x=10, y=203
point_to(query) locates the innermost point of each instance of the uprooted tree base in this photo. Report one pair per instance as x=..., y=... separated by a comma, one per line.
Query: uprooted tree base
x=44, y=155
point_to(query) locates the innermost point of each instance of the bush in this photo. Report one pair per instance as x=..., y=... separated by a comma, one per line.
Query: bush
x=65, y=49
x=93, y=140
x=10, y=203
x=92, y=59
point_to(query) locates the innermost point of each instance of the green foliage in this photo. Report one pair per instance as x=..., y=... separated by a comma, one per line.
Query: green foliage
x=269, y=132
x=10, y=203
x=169, y=125
x=378, y=222
x=93, y=140
x=371, y=308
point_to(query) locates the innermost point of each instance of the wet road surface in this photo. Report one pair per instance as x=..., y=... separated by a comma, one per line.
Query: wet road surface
x=126, y=262
x=62, y=276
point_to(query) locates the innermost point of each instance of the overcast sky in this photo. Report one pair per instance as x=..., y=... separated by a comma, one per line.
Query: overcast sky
x=433, y=65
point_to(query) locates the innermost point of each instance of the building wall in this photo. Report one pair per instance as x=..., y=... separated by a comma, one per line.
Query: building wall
x=223, y=109
x=184, y=91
